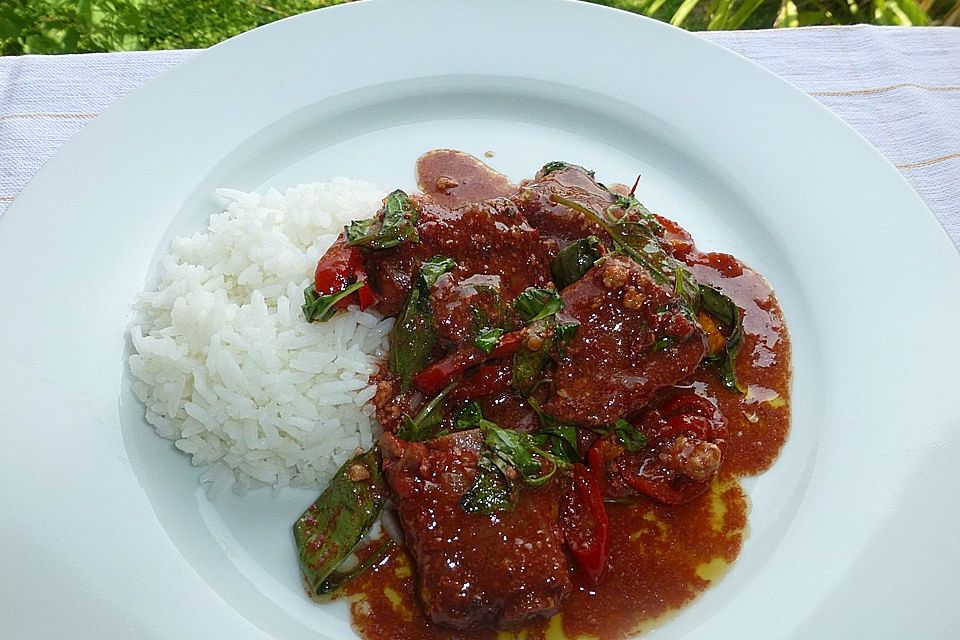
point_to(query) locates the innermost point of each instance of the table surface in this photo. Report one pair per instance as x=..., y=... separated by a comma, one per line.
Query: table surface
x=898, y=87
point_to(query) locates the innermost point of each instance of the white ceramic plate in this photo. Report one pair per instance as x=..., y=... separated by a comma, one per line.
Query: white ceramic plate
x=104, y=531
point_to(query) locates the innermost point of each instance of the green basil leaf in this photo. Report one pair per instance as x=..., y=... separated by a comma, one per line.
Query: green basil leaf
x=357, y=230
x=511, y=447
x=432, y=269
x=320, y=308
x=728, y=314
x=491, y=491
x=488, y=339
x=565, y=331
x=662, y=344
x=414, y=333
x=630, y=203
x=412, y=339
x=423, y=426
x=550, y=167
x=632, y=439
x=332, y=527
x=337, y=579
x=574, y=260
x=559, y=440
x=396, y=223
x=520, y=451
x=469, y=417
x=528, y=366
x=536, y=303
x=635, y=235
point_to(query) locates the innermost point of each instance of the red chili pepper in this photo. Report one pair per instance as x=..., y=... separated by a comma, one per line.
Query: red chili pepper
x=509, y=344
x=438, y=375
x=684, y=414
x=585, y=523
x=340, y=267
x=725, y=263
x=676, y=239
x=366, y=297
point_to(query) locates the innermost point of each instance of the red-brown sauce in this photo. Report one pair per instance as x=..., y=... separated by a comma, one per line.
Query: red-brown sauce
x=662, y=556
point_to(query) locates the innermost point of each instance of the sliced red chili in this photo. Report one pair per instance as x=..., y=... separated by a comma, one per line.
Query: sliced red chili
x=585, y=523
x=366, y=296
x=340, y=267
x=684, y=414
x=438, y=375
x=676, y=240
x=662, y=484
x=725, y=263
x=509, y=344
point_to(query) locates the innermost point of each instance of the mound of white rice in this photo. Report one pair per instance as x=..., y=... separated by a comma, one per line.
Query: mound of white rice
x=226, y=365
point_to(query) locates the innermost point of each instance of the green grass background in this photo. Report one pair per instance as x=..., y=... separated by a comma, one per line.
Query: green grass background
x=79, y=26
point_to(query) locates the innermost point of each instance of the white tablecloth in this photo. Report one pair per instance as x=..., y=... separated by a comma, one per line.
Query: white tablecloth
x=899, y=87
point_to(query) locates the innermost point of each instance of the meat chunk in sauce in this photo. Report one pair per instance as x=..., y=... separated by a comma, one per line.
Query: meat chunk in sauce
x=464, y=307
x=500, y=570
x=491, y=238
x=558, y=224
x=631, y=342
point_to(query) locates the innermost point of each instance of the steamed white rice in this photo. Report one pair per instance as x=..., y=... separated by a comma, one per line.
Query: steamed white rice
x=225, y=364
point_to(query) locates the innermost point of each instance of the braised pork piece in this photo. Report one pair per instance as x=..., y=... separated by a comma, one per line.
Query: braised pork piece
x=568, y=377
x=522, y=572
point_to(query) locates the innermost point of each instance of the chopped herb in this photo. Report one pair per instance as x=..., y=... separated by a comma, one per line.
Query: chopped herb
x=528, y=364
x=332, y=527
x=632, y=439
x=566, y=330
x=339, y=578
x=421, y=427
x=635, y=234
x=432, y=269
x=539, y=308
x=558, y=165
x=493, y=490
x=630, y=203
x=469, y=417
x=558, y=438
x=678, y=280
x=550, y=167
x=519, y=451
x=397, y=223
x=488, y=339
x=726, y=312
x=574, y=260
x=414, y=333
x=320, y=308
x=535, y=303
x=629, y=436
x=663, y=344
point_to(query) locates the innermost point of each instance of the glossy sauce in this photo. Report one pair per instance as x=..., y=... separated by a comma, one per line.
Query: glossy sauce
x=661, y=556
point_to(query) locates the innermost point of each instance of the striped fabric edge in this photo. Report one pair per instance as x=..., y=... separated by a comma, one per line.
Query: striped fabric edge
x=920, y=164
x=47, y=115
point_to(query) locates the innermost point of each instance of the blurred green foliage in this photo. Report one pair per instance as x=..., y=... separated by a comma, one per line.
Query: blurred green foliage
x=78, y=26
